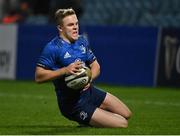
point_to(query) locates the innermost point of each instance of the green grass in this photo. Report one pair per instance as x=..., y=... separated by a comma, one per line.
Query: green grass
x=29, y=108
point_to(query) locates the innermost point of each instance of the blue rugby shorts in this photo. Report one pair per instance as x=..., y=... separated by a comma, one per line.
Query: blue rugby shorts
x=82, y=110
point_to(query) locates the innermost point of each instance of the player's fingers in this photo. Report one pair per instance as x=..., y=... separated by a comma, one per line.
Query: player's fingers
x=78, y=63
x=75, y=71
x=78, y=66
x=87, y=86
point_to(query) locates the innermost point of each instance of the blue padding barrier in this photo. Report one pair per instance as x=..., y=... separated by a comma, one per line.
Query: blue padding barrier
x=126, y=54
x=31, y=40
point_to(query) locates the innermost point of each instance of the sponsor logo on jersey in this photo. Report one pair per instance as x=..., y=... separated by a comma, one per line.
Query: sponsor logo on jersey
x=67, y=55
x=83, y=49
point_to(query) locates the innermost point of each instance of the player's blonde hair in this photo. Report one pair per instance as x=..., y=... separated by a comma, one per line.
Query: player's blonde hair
x=62, y=13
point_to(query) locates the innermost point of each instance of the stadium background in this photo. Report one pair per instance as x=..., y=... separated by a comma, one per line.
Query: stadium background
x=124, y=34
x=135, y=41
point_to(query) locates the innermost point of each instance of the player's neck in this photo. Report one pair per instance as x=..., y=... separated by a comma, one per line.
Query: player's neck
x=66, y=39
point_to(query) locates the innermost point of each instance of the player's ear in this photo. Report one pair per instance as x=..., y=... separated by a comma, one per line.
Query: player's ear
x=59, y=28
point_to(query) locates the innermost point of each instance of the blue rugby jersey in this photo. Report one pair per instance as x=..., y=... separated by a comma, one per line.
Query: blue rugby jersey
x=59, y=53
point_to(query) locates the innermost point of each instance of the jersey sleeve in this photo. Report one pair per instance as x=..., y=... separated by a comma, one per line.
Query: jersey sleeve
x=90, y=55
x=47, y=58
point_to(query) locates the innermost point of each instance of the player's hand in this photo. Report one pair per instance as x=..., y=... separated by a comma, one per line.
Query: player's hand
x=73, y=68
x=87, y=86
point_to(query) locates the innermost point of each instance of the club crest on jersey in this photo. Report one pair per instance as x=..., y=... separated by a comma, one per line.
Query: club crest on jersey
x=67, y=55
x=83, y=49
x=83, y=115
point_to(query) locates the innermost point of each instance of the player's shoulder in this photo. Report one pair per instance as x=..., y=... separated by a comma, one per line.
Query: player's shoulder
x=83, y=39
x=51, y=45
x=54, y=43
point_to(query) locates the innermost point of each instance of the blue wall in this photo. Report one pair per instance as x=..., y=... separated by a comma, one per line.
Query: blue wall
x=31, y=40
x=126, y=54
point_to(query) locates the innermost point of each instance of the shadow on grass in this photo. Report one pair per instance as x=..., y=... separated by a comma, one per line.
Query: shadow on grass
x=43, y=129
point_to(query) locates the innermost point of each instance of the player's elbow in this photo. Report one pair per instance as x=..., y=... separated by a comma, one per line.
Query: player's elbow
x=38, y=79
x=98, y=70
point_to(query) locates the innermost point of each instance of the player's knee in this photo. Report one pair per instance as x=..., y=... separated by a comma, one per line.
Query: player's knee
x=123, y=124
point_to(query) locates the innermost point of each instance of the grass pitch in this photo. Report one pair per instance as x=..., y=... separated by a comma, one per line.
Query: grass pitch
x=29, y=108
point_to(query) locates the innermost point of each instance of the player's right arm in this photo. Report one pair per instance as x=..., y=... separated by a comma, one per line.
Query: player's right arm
x=47, y=68
x=44, y=75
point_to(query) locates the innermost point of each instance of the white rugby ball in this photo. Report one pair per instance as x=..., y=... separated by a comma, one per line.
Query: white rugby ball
x=79, y=80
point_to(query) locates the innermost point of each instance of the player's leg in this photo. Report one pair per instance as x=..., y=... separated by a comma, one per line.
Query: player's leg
x=102, y=118
x=113, y=104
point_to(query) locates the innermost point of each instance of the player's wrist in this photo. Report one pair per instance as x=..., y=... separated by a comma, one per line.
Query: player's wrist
x=91, y=81
x=65, y=71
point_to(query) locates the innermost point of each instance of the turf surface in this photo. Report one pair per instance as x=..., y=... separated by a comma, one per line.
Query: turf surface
x=29, y=108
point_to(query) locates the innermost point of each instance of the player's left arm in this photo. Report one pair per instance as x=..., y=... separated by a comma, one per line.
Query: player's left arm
x=91, y=62
x=95, y=70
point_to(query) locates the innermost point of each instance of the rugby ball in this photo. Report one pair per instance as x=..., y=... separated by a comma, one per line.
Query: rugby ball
x=80, y=80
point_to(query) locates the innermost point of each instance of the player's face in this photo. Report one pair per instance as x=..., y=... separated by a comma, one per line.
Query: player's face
x=70, y=28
